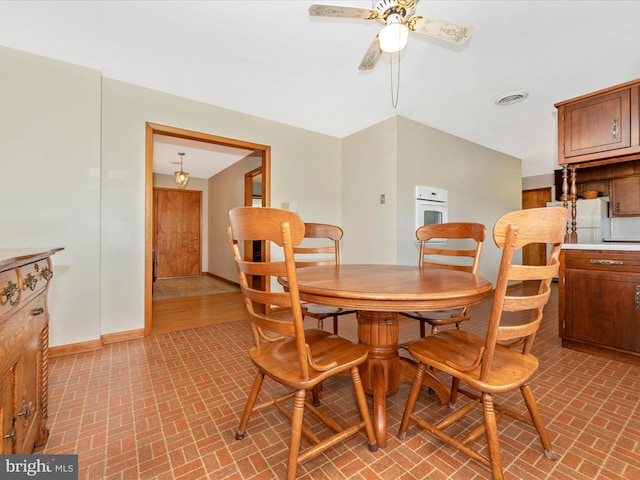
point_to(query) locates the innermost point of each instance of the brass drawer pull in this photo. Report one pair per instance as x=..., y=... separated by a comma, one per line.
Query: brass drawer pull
x=25, y=411
x=37, y=311
x=30, y=282
x=47, y=273
x=598, y=261
x=12, y=293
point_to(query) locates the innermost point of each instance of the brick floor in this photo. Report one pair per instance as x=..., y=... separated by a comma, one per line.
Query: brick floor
x=166, y=407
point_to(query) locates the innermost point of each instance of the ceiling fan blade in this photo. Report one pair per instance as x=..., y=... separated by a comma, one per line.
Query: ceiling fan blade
x=448, y=31
x=319, y=10
x=371, y=57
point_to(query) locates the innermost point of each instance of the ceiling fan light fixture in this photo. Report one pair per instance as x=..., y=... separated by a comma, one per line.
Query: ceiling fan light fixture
x=182, y=177
x=394, y=36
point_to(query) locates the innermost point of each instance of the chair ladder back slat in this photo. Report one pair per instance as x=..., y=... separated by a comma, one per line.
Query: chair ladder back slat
x=502, y=283
x=454, y=254
x=504, y=354
x=321, y=246
x=298, y=360
x=284, y=229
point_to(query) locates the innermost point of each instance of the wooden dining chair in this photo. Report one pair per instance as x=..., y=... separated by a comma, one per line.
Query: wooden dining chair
x=502, y=360
x=322, y=248
x=283, y=350
x=467, y=238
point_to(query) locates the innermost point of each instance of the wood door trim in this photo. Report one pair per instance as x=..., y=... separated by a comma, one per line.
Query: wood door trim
x=154, y=128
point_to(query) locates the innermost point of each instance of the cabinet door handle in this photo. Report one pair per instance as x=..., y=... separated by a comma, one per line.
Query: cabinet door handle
x=637, y=297
x=37, y=311
x=614, y=130
x=599, y=261
x=617, y=206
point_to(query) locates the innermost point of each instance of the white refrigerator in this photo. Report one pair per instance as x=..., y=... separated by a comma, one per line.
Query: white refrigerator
x=592, y=219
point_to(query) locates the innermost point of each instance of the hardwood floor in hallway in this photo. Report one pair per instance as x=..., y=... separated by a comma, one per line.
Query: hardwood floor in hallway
x=191, y=312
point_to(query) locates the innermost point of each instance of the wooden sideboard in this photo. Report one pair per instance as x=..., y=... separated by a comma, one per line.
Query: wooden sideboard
x=25, y=275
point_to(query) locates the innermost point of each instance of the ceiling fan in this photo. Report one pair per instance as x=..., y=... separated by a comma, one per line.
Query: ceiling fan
x=398, y=17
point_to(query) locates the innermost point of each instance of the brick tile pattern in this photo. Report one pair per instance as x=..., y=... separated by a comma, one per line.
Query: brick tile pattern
x=167, y=406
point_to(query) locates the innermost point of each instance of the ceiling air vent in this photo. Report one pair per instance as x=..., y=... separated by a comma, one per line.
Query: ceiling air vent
x=511, y=98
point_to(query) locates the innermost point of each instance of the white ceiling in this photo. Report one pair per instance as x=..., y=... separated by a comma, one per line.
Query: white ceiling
x=271, y=60
x=201, y=160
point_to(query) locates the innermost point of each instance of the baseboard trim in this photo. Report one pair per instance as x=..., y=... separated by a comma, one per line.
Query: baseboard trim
x=82, y=347
x=122, y=336
x=91, y=345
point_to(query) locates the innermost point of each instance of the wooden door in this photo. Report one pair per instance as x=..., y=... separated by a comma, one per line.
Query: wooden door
x=535, y=254
x=177, y=232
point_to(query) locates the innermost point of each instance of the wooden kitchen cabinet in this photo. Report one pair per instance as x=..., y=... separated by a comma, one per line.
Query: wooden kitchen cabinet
x=25, y=275
x=599, y=300
x=604, y=124
x=625, y=197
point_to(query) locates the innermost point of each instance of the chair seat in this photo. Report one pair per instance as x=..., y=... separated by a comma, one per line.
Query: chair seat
x=510, y=368
x=279, y=360
x=315, y=309
x=440, y=317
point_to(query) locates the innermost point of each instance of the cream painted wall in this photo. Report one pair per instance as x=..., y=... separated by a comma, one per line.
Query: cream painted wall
x=198, y=184
x=50, y=181
x=227, y=192
x=75, y=144
x=483, y=185
x=369, y=166
x=295, y=153
x=393, y=157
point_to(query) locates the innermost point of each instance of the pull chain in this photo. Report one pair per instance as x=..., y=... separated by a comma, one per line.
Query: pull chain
x=394, y=100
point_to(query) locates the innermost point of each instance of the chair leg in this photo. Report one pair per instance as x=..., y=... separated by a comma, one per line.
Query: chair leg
x=320, y=324
x=335, y=324
x=422, y=329
x=296, y=433
x=491, y=428
x=534, y=413
x=455, y=384
x=414, y=393
x=363, y=408
x=315, y=394
x=248, y=408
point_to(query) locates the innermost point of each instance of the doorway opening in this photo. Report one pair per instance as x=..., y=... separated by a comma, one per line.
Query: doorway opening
x=153, y=129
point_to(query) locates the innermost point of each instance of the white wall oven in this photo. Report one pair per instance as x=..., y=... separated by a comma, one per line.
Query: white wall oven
x=431, y=207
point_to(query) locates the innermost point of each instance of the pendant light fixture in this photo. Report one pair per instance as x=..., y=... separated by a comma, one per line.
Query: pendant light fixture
x=182, y=177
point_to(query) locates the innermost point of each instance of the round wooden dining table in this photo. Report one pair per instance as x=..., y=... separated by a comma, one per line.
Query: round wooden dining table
x=378, y=293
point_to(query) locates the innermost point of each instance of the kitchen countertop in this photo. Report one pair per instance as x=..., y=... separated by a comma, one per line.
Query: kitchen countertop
x=612, y=246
